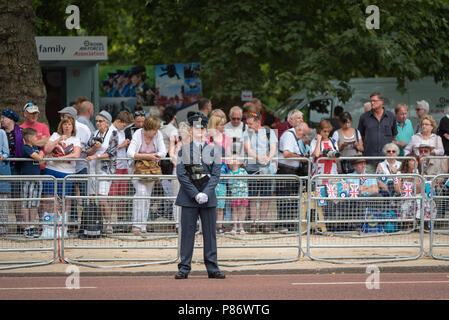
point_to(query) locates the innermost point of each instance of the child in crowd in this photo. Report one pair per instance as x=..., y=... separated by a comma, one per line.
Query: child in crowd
x=239, y=189
x=220, y=191
x=31, y=189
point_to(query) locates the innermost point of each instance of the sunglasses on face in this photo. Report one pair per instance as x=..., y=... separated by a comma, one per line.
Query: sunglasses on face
x=391, y=151
x=235, y=119
x=100, y=121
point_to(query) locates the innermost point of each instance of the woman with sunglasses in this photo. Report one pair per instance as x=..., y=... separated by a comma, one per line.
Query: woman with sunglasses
x=389, y=166
x=102, y=151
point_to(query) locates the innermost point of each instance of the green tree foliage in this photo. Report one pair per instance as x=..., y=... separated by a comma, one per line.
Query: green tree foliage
x=273, y=48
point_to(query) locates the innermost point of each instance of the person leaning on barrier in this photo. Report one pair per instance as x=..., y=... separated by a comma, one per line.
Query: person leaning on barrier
x=120, y=187
x=61, y=145
x=147, y=145
x=349, y=142
x=101, y=155
x=291, y=146
x=260, y=145
x=388, y=166
x=5, y=187
x=31, y=188
x=198, y=171
x=83, y=133
x=324, y=146
x=9, y=119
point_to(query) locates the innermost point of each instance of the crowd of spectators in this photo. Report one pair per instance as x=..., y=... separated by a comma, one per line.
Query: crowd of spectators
x=253, y=143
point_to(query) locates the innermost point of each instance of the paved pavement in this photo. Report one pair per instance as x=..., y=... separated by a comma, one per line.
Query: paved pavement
x=303, y=265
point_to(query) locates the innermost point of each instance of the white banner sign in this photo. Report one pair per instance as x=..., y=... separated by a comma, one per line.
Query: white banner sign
x=72, y=48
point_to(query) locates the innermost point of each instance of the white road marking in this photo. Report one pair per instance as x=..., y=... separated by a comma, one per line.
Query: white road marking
x=363, y=282
x=47, y=288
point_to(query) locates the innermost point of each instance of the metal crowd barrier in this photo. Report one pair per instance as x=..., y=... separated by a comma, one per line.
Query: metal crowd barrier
x=276, y=227
x=39, y=245
x=439, y=219
x=122, y=212
x=300, y=210
x=381, y=226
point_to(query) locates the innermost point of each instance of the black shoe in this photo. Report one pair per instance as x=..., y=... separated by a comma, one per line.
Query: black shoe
x=216, y=275
x=181, y=275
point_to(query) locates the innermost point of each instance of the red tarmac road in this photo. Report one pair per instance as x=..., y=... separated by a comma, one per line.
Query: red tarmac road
x=406, y=286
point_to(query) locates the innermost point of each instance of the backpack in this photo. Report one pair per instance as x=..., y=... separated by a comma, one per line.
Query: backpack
x=91, y=221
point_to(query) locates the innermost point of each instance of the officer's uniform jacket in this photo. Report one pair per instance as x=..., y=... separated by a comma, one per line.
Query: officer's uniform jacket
x=210, y=160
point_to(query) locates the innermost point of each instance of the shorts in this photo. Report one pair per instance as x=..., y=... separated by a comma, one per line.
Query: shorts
x=220, y=191
x=48, y=186
x=265, y=187
x=31, y=189
x=119, y=187
x=239, y=202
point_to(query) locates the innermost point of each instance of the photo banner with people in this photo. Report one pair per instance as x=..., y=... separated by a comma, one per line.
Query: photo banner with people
x=128, y=87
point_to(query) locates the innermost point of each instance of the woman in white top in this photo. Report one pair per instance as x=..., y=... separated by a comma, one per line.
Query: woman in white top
x=120, y=187
x=102, y=155
x=147, y=144
x=349, y=142
x=388, y=166
x=61, y=145
x=426, y=136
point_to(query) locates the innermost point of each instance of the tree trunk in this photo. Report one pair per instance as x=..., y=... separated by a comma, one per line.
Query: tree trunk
x=20, y=72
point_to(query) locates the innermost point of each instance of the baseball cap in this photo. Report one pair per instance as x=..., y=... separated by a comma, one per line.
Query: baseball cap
x=31, y=108
x=69, y=110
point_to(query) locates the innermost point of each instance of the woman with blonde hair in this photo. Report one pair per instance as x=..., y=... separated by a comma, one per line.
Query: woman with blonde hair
x=61, y=145
x=426, y=136
x=147, y=144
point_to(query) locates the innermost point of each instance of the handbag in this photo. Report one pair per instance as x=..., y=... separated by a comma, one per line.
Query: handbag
x=148, y=167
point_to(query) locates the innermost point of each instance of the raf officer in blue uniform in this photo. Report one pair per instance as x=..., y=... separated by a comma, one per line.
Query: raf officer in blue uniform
x=198, y=171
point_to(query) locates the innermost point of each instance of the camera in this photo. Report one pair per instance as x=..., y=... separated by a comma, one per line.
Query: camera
x=99, y=139
x=331, y=153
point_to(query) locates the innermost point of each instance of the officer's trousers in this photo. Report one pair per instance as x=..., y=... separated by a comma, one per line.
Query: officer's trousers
x=189, y=217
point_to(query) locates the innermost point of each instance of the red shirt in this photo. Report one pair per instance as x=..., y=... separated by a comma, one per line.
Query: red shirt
x=42, y=131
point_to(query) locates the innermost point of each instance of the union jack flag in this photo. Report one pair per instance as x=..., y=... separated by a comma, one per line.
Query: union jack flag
x=353, y=190
x=321, y=193
x=362, y=180
x=407, y=189
x=331, y=190
x=395, y=180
